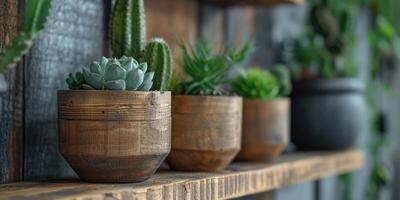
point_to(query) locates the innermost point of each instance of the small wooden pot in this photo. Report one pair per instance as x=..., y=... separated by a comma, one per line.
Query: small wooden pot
x=206, y=132
x=114, y=136
x=265, y=129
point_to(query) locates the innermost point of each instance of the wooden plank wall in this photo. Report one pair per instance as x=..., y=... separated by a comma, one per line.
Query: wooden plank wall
x=10, y=100
x=173, y=20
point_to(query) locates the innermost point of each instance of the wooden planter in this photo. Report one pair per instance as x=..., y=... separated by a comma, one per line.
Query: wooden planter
x=114, y=136
x=206, y=132
x=265, y=129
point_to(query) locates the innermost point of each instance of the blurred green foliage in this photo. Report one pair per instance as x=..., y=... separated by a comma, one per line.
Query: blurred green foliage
x=326, y=48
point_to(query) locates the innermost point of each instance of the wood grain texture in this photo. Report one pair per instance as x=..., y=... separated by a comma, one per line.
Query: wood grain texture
x=265, y=129
x=11, y=102
x=173, y=20
x=211, y=25
x=237, y=180
x=206, y=132
x=72, y=39
x=114, y=136
x=254, y=2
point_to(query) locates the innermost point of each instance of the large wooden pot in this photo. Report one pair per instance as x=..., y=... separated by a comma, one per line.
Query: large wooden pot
x=206, y=132
x=114, y=136
x=265, y=129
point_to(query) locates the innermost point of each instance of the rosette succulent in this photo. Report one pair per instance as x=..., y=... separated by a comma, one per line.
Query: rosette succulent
x=113, y=74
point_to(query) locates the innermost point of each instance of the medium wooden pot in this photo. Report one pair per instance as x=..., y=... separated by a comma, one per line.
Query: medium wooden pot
x=206, y=132
x=114, y=136
x=265, y=129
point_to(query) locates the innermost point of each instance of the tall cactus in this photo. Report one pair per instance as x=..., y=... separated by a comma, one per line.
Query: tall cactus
x=128, y=37
x=159, y=59
x=128, y=28
x=35, y=17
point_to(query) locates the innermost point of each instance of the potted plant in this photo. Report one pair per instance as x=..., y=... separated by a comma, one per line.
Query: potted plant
x=328, y=108
x=115, y=121
x=206, y=131
x=265, y=112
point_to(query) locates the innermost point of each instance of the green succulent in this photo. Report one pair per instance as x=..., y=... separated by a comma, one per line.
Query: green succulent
x=256, y=84
x=128, y=37
x=113, y=74
x=282, y=75
x=207, y=70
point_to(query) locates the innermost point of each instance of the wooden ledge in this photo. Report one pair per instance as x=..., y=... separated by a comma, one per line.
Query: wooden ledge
x=239, y=179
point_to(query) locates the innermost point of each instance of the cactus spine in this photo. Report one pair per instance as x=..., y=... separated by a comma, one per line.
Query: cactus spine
x=158, y=57
x=128, y=37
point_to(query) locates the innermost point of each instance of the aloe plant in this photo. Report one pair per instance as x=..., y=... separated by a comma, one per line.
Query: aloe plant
x=112, y=74
x=207, y=70
x=34, y=20
x=128, y=37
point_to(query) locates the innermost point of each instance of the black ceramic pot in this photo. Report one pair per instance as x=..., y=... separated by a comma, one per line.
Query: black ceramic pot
x=328, y=114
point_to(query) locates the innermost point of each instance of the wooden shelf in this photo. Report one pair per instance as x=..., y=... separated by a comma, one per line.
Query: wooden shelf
x=238, y=180
x=253, y=2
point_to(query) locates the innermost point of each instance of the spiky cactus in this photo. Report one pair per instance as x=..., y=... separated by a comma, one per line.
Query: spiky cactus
x=158, y=57
x=112, y=74
x=128, y=37
x=34, y=20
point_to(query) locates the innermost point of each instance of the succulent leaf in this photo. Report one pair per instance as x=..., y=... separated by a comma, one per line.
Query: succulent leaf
x=75, y=81
x=148, y=77
x=127, y=64
x=87, y=87
x=115, y=85
x=114, y=72
x=143, y=67
x=96, y=68
x=134, y=79
x=95, y=80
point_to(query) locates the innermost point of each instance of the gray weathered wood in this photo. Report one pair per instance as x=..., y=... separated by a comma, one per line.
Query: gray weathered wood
x=73, y=37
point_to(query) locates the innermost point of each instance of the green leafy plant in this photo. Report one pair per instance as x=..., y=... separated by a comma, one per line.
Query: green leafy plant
x=263, y=84
x=207, y=70
x=325, y=49
x=34, y=20
x=112, y=74
x=256, y=84
x=283, y=77
x=128, y=37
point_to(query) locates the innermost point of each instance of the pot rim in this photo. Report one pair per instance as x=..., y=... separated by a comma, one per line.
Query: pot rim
x=328, y=86
x=113, y=91
x=279, y=99
x=206, y=96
